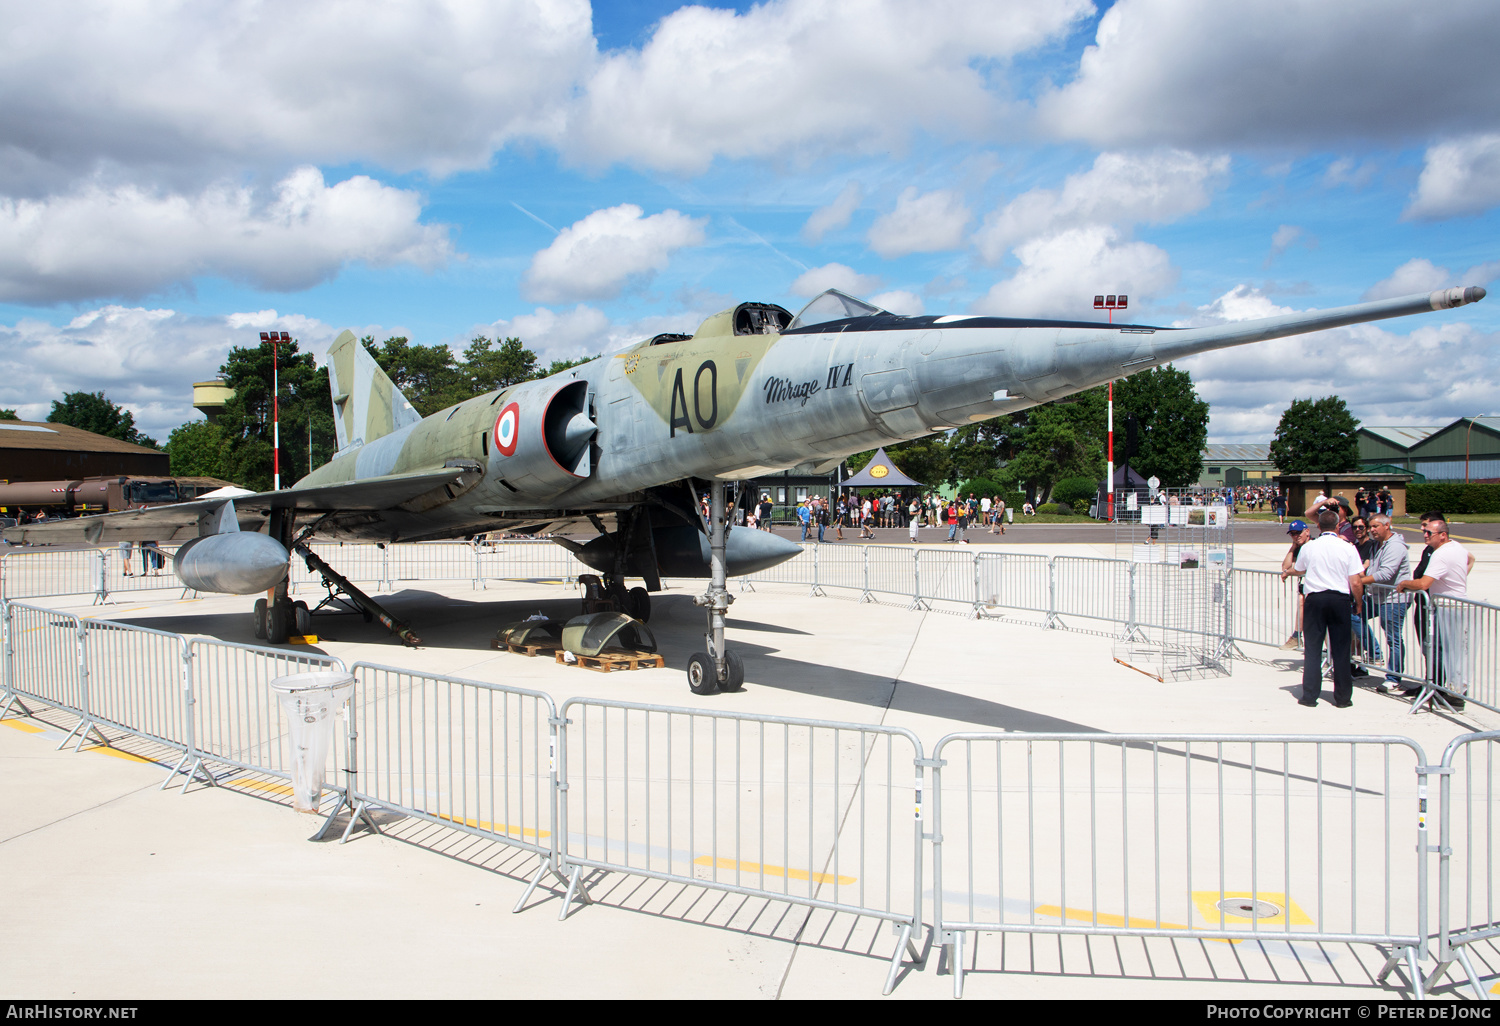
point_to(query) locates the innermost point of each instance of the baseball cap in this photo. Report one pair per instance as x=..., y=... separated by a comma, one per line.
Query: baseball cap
x=1296, y=527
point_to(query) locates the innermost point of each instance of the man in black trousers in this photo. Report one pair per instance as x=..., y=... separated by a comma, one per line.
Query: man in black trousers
x=1331, y=571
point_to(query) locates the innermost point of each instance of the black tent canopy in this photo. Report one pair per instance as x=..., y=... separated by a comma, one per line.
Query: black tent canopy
x=880, y=472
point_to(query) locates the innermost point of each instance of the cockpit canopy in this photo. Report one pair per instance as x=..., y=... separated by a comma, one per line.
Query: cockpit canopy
x=833, y=305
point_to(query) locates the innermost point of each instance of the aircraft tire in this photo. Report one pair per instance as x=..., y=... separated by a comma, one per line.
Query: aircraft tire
x=702, y=678
x=260, y=619
x=278, y=623
x=736, y=667
x=638, y=604
x=303, y=617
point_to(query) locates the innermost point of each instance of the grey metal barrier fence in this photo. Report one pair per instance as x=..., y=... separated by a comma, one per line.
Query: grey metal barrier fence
x=840, y=566
x=237, y=719
x=890, y=570
x=945, y=575
x=477, y=757
x=431, y=561
x=1097, y=589
x=46, y=573
x=1262, y=606
x=44, y=659
x=1013, y=581
x=138, y=680
x=800, y=569
x=141, y=569
x=811, y=812
x=1468, y=834
x=1282, y=840
x=1459, y=642
x=211, y=700
x=509, y=559
x=42, y=573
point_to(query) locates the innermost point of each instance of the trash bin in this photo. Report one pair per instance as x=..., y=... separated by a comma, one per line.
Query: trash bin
x=312, y=703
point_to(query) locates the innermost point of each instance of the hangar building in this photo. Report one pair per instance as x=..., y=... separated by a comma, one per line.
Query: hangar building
x=31, y=451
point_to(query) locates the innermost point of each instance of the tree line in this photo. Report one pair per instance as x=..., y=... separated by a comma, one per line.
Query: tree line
x=1036, y=450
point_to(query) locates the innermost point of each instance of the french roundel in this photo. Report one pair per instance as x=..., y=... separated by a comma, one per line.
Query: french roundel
x=508, y=429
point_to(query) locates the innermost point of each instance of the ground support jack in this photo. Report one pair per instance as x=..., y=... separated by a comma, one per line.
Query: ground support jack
x=332, y=580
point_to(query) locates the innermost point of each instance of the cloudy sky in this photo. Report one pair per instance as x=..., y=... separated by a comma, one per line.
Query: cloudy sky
x=176, y=177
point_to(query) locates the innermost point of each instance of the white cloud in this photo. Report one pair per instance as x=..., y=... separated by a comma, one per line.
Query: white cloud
x=900, y=301
x=1279, y=71
x=1241, y=303
x=1120, y=189
x=1458, y=177
x=146, y=360
x=1440, y=371
x=835, y=276
x=1286, y=236
x=585, y=331
x=581, y=331
x=179, y=94
x=834, y=216
x=1347, y=171
x=1283, y=237
x=596, y=258
x=1421, y=275
x=126, y=241
x=1412, y=277
x=176, y=89
x=1060, y=274
x=925, y=223
x=805, y=77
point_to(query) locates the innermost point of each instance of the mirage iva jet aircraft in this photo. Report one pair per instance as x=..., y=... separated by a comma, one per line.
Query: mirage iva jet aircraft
x=629, y=441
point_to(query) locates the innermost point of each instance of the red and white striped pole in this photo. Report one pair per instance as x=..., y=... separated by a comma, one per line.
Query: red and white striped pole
x=275, y=340
x=1111, y=479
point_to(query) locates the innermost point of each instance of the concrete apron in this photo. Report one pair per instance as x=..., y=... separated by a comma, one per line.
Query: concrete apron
x=87, y=838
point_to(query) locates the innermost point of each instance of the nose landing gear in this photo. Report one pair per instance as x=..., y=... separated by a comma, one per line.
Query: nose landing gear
x=717, y=669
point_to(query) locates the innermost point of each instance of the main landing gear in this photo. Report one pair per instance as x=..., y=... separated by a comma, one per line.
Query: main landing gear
x=278, y=617
x=716, y=669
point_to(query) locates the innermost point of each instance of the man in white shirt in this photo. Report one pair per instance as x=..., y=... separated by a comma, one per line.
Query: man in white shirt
x=1331, y=571
x=1446, y=575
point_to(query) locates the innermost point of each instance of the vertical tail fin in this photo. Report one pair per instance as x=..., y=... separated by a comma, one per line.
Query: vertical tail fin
x=366, y=403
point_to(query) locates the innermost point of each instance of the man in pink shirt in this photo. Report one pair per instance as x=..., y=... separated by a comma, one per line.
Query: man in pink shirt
x=1446, y=575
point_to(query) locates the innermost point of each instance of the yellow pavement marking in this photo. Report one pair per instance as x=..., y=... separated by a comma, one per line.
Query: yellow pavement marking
x=29, y=728
x=756, y=868
x=117, y=754
x=507, y=829
x=1207, y=905
x=261, y=785
x=1104, y=918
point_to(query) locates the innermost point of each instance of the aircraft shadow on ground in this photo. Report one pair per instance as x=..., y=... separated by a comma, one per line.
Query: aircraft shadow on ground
x=459, y=623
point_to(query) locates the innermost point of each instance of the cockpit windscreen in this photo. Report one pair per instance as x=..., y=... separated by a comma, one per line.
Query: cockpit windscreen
x=833, y=305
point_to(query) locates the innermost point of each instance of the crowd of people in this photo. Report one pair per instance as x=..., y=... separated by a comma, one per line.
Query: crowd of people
x=1357, y=572
x=816, y=516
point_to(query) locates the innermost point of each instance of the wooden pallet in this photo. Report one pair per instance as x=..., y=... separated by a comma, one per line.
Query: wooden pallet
x=617, y=659
x=540, y=648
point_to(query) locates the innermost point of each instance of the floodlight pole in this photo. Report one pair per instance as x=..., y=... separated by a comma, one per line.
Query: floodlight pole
x=274, y=339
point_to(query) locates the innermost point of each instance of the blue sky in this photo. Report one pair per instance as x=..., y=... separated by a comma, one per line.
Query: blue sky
x=583, y=177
